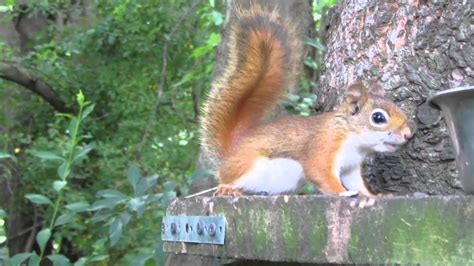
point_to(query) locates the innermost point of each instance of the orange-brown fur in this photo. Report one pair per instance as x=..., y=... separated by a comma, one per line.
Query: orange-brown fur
x=262, y=47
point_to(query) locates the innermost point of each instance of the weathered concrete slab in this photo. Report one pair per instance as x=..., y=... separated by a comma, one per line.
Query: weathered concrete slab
x=332, y=229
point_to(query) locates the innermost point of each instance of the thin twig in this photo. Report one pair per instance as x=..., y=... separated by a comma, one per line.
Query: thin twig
x=196, y=95
x=32, y=236
x=161, y=87
x=26, y=230
x=200, y=193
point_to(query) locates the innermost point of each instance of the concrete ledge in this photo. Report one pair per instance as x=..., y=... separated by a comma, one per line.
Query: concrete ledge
x=320, y=229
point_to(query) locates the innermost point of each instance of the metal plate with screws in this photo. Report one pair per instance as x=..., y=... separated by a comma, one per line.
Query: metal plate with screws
x=194, y=229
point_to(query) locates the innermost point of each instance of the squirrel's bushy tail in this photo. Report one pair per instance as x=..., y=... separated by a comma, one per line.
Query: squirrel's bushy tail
x=260, y=52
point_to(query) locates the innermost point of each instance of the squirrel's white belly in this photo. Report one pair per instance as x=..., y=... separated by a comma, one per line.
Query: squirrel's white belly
x=272, y=176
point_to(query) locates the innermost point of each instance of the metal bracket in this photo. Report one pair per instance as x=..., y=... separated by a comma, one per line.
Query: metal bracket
x=194, y=229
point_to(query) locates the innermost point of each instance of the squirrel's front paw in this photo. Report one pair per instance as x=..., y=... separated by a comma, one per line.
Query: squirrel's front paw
x=224, y=190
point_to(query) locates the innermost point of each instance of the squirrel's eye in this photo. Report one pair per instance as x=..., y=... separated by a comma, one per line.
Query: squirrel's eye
x=379, y=118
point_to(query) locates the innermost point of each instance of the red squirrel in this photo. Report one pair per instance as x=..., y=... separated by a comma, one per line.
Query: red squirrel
x=273, y=157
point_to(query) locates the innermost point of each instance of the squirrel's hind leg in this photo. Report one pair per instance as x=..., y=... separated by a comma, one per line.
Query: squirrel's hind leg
x=226, y=190
x=249, y=170
x=271, y=176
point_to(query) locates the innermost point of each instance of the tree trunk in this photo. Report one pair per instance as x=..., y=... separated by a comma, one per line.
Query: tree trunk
x=413, y=50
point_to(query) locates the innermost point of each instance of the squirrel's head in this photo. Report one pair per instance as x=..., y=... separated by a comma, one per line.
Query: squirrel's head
x=379, y=124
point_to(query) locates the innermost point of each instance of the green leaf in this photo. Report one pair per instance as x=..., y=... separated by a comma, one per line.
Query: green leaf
x=42, y=238
x=80, y=98
x=38, y=199
x=83, y=152
x=308, y=101
x=45, y=155
x=108, y=203
x=167, y=198
x=64, y=170
x=201, y=173
x=111, y=193
x=19, y=258
x=70, y=116
x=217, y=17
x=137, y=205
x=311, y=63
x=78, y=206
x=133, y=176
x=293, y=97
x=169, y=186
x=72, y=128
x=200, y=51
x=34, y=260
x=125, y=217
x=115, y=231
x=81, y=262
x=214, y=39
x=87, y=111
x=145, y=184
x=5, y=8
x=307, y=189
x=154, y=197
x=142, y=258
x=59, y=260
x=314, y=43
x=98, y=258
x=64, y=219
x=58, y=185
x=4, y=155
x=3, y=213
x=101, y=215
x=160, y=256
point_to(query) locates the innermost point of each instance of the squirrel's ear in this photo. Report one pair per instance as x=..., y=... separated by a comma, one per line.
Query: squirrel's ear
x=356, y=97
x=377, y=90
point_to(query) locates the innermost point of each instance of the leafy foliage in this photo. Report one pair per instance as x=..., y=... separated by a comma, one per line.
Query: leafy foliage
x=117, y=59
x=304, y=102
x=102, y=175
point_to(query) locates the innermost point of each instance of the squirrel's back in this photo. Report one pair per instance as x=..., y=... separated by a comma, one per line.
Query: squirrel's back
x=261, y=57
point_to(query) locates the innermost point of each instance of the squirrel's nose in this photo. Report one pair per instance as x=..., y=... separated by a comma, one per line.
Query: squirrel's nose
x=406, y=133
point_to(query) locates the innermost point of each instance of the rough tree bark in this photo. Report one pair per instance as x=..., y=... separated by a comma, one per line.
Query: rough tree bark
x=414, y=49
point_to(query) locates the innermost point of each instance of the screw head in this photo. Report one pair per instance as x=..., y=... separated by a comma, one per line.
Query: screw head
x=211, y=229
x=162, y=228
x=173, y=228
x=200, y=228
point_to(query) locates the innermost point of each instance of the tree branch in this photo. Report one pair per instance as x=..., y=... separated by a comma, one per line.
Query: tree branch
x=161, y=87
x=21, y=76
x=30, y=242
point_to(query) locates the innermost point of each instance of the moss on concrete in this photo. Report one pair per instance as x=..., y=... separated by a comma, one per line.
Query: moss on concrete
x=289, y=231
x=260, y=220
x=431, y=230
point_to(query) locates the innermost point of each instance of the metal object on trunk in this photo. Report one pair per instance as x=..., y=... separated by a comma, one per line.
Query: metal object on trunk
x=457, y=106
